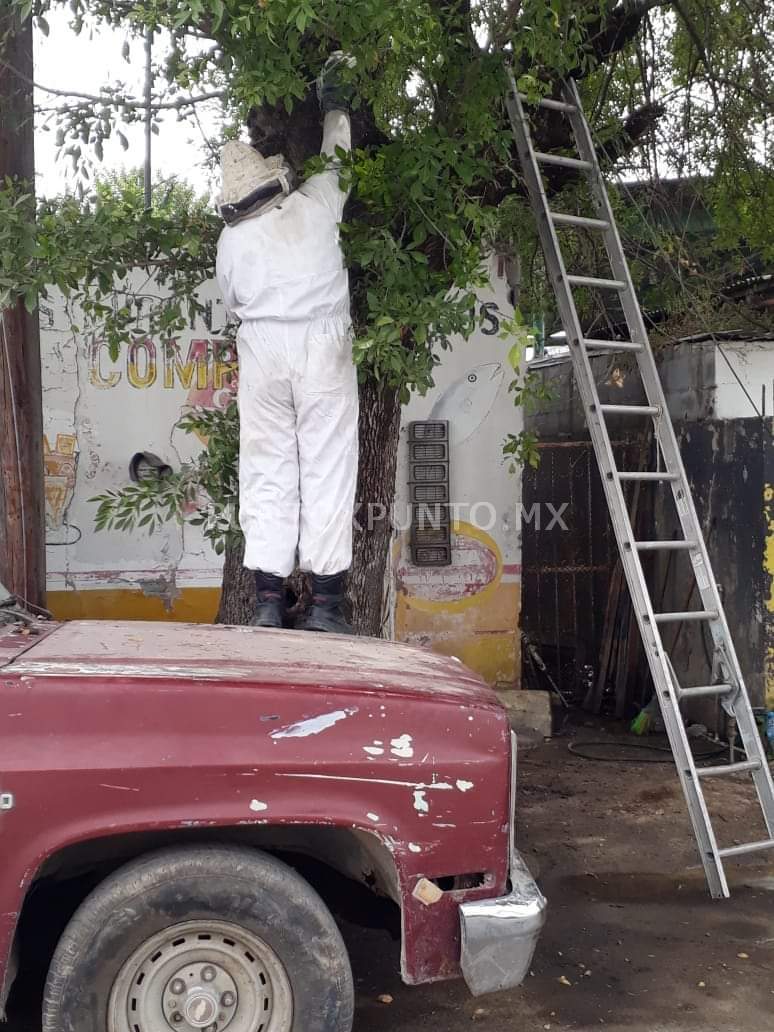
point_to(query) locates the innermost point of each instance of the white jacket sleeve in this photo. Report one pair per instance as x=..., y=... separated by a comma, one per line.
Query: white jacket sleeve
x=223, y=270
x=325, y=185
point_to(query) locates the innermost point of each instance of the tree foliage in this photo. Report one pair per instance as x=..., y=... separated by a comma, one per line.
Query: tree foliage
x=204, y=492
x=680, y=88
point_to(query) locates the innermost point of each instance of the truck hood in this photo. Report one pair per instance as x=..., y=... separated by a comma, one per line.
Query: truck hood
x=16, y=640
x=264, y=657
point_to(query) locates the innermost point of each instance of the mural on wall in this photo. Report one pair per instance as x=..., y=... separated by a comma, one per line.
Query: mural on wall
x=470, y=608
x=60, y=465
x=467, y=403
x=99, y=411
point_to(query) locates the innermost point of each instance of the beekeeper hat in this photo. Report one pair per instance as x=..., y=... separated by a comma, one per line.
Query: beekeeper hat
x=250, y=183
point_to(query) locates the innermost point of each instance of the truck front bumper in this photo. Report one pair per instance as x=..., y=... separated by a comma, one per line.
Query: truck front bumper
x=499, y=935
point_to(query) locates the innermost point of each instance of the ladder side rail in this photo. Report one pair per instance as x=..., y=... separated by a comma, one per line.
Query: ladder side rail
x=657, y=658
x=704, y=832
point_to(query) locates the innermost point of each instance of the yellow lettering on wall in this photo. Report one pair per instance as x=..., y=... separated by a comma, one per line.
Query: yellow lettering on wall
x=147, y=376
x=96, y=379
x=225, y=363
x=196, y=362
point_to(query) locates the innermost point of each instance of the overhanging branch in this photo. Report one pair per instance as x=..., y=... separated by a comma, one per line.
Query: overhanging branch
x=617, y=28
x=116, y=100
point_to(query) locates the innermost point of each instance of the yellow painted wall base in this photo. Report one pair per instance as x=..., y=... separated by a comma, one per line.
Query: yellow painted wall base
x=493, y=656
x=480, y=628
x=193, y=605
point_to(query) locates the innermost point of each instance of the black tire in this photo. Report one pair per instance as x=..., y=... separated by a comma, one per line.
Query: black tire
x=241, y=886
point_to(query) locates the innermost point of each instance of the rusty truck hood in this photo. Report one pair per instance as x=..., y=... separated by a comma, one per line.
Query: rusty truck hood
x=121, y=729
x=197, y=652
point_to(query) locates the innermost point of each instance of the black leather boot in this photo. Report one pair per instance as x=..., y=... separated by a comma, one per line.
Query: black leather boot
x=326, y=611
x=269, y=601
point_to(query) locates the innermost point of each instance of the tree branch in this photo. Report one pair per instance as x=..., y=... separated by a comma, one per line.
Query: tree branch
x=117, y=101
x=617, y=28
x=510, y=14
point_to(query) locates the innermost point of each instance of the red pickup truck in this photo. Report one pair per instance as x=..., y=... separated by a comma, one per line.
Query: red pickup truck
x=182, y=767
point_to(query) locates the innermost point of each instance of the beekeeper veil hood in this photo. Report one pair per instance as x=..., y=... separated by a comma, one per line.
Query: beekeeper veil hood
x=250, y=183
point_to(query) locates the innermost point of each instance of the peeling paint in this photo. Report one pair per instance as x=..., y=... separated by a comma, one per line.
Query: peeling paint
x=421, y=804
x=163, y=587
x=402, y=747
x=437, y=785
x=414, y=848
x=464, y=786
x=257, y=806
x=427, y=892
x=313, y=725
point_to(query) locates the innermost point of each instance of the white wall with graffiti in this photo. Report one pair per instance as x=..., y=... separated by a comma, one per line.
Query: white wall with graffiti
x=469, y=608
x=99, y=412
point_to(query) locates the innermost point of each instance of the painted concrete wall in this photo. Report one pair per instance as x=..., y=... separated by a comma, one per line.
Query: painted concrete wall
x=98, y=412
x=469, y=609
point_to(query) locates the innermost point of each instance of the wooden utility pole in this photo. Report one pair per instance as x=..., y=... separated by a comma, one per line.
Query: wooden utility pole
x=22, y=500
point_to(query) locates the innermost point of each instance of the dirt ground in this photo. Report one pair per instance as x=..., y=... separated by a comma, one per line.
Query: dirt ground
x=633, y=942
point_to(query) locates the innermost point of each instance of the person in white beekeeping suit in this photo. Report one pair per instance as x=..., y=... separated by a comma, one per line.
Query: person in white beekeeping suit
x=281, y=272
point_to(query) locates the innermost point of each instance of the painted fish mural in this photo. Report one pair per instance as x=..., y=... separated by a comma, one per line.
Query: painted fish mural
x=468, y=401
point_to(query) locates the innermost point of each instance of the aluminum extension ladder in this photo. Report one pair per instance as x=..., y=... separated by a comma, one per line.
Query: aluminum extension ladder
x=726, y=673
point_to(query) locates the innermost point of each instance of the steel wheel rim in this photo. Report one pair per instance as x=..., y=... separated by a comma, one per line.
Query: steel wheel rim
x=182, y=979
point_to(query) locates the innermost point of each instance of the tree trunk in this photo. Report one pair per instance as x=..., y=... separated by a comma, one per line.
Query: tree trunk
x=22, y=500
x=237, y=599
x=379, y=429
x=379, y=432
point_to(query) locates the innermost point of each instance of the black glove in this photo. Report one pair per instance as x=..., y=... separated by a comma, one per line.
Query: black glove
x=332, y=92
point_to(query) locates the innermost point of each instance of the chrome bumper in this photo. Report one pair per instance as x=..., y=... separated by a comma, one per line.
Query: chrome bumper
x=499, y=935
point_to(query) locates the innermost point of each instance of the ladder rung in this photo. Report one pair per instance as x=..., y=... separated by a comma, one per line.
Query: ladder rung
x=665, y=546
x=552, y=105
x=691, y=614
x=636, y=475
x=578, y=220
x=747, y=847
x=560, y=159
x=594, y=281
x=728, y=768
x=705, y=689
x=632, y=410
x=612, y=345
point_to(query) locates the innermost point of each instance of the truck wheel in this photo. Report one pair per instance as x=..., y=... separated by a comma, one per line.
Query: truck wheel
x=208, y=937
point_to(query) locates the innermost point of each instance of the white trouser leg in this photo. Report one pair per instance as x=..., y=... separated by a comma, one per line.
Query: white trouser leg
x=326, y=424
x=268, y=454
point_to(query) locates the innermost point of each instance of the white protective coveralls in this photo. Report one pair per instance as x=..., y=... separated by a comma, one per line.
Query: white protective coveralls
x=282, y=273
